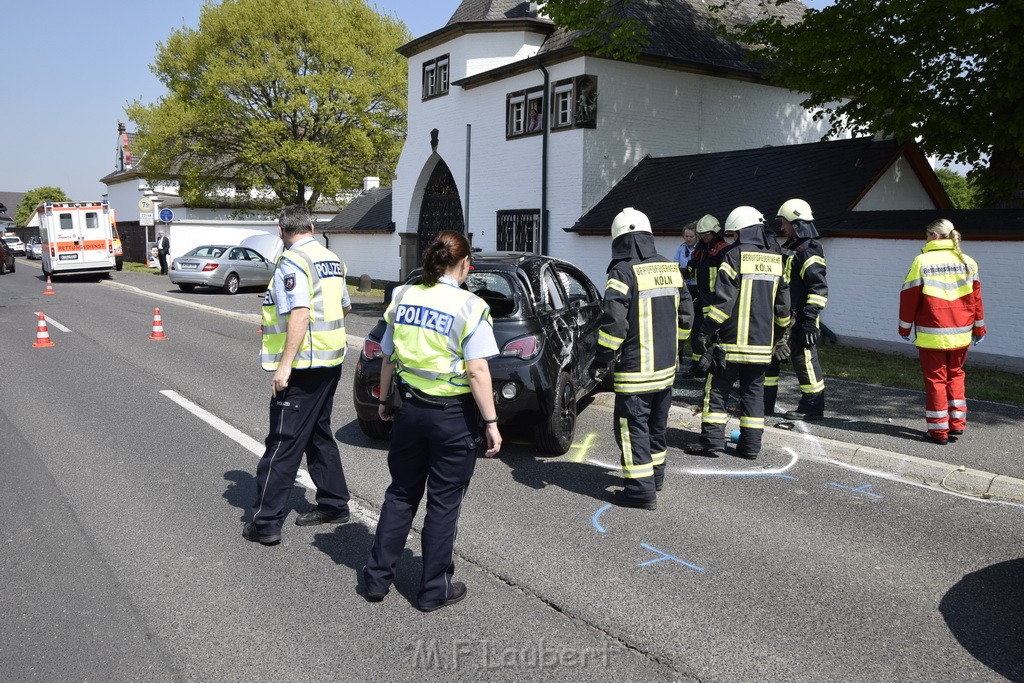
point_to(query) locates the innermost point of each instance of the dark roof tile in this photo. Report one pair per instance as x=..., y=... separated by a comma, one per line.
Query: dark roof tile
x=370, y=212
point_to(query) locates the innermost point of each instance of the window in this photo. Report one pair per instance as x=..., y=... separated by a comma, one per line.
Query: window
x=523, y=112
x=574, y=103
x=66, y=221
x=562, y=114
x=551, y=297
x=435, y=77
x=92, y=220
x=517, y=230
x=516, y=116
x=574, y=287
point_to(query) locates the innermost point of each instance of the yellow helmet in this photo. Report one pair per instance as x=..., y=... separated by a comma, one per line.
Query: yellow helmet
x=708, y=223
x=795, y=210
x=743, y=217
x=628, y=221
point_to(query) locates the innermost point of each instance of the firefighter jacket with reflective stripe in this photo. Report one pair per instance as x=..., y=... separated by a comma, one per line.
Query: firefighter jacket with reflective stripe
x=325, y=342
x=941, y=298
x=705, y=265
x=806, y=274
x=750, y=300
x=647, y=313
x=430, y=326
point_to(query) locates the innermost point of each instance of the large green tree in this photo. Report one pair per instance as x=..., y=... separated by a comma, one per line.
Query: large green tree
x=285, y=94
x=33, y=198
x=961, y=190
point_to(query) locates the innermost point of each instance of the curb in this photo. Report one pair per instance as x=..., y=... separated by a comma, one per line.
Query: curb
x=955, y=479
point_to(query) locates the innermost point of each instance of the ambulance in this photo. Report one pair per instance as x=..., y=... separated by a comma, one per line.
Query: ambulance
x=77, y=237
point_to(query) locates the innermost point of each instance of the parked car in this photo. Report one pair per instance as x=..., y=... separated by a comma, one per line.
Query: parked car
x=34, y=249
x=15, y=244
x=216, y=265
x=6, y=259
x=546, y=315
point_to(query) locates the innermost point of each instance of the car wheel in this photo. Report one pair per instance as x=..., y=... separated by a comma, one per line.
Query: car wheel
x=3, y=267
x=119, y=265
x=231, y=284
x=556, y=432
x=186, y=288
x=12, y=266
x=376, y=429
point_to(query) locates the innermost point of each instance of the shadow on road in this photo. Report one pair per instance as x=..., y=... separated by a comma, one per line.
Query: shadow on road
x=349, y=545
x=985, y=612
x=351, y=435
x=576, y=477
x=241, y=491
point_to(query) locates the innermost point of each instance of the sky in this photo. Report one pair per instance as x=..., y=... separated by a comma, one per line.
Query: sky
x=72, y=66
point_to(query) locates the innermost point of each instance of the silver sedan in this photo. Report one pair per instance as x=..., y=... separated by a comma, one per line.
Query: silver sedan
x=226, y=267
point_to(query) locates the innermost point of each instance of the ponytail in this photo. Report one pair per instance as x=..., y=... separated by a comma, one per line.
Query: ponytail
x=447, y=249
x=944, y=229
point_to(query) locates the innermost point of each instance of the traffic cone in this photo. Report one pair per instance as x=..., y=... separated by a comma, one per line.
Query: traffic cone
x=49, y=287
x=42, y=334
x=158, y=327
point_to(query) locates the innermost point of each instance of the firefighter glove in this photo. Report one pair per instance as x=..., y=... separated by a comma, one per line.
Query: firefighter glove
x=718, y=353
x=699, y=344
x=906, y=338
x=781, y=350
x=811, y=333
x=978, y=340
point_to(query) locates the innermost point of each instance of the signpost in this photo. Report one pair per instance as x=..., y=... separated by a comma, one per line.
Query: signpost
x=166, y=215
x=146, y=211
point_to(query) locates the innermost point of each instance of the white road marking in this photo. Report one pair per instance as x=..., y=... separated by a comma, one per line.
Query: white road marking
x=51, y=321
x=256, y=448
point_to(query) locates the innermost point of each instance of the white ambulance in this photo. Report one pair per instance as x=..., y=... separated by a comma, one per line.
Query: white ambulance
x=77, y=237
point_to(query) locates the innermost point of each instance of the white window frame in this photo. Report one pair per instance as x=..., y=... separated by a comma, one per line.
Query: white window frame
x=435, y=77
x=535, y=99
x=515, y=118
x=442, y=76
x=562, y=111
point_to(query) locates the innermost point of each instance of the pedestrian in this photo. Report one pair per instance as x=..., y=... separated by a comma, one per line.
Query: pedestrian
x=685, y=256
x=304, y=345
x=438, y=340
x=163, y=247
x=747, y=312
x=941, y=302
x=806, y=272
x=646, y=318
x=704, y=263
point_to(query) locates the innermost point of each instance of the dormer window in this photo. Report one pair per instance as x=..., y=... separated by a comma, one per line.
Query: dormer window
x=435, y=77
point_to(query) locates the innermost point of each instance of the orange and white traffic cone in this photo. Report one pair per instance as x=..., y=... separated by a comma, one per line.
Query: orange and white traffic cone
x=49, y=287
x=158, y=327
x=42, y=334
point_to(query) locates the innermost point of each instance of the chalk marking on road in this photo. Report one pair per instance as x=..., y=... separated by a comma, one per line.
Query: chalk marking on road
x=597, y=516
x=860, y=489
x=666, y=556
x=594, y=461
x=794, y=458
x=584, y=448
x=51, y=321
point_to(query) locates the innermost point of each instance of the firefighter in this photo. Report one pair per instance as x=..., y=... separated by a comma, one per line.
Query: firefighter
x=748, y=310
x=704, y=264
x=941, y=300
x=646, y=318
x=805, y=271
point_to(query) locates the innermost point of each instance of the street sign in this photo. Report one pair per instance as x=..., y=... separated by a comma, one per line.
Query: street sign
x=146, y=205
x=146, y=217
x=166, y=215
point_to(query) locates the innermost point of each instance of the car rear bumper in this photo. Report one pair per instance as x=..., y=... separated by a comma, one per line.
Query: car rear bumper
x=186, y=277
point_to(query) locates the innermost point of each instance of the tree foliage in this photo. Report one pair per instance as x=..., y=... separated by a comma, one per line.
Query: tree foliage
x=33, y=198
x=285, y=94
x=605, y=31
x=961, y=190
x=947, y=74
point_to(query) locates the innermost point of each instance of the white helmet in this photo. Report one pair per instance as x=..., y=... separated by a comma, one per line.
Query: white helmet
x=795, y=210
x=743, y=217
x=628, y=221
x=708, y=223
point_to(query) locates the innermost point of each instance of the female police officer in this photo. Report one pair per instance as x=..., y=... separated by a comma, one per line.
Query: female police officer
x=438, y=340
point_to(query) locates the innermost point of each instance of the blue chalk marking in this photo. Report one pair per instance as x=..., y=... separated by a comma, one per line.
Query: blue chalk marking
x=597, y=514
x=860, y=489
x=666, y=556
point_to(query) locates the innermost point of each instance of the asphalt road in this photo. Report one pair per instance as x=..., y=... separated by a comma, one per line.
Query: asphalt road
x=126, y=467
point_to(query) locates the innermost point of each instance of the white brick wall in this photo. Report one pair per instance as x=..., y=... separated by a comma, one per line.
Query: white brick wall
x=364, y=254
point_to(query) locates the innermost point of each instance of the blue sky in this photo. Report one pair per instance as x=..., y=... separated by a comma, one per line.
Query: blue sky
x=71, y=66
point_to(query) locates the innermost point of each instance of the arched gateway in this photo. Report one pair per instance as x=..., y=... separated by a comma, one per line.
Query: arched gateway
x=441, y=208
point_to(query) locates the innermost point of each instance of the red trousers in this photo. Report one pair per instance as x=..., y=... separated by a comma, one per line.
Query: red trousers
x=945, y=399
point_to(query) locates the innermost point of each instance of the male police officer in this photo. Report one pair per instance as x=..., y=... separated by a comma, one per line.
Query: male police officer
x=805, y=271
x=646, y=319
x=304, y=345
x=748, y=310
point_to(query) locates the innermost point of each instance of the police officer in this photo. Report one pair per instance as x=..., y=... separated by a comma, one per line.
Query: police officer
x=805, y=270
x=704, y=264
x=646, y=318
x=304, y=345
x=748, y=309
x=438, y=340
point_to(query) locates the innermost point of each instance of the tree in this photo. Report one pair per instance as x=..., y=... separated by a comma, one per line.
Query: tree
x=33, y=198
x=961, y=190
x=946, y=74
x=604, y=27
x=285, y=94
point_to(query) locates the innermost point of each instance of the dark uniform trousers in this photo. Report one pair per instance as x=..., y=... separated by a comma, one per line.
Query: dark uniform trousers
x=640, y=424
x=435, y=448
x=698, y=320
x=808, y=374
x=300, y=422
x=751, y=392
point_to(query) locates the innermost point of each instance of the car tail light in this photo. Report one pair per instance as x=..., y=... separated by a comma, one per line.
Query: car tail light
x=372, y=349
x=523, y=347
x=375, y=391
x=209, y=267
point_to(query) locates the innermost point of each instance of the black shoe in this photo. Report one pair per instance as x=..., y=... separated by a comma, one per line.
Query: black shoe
x=628, y=502
x=658, y=487
x=940, y=441
x=370, y=596
x=698, y=448
x=746, y=456
x=320, y=517
x=807, y=417
x=249, y=533
x=956, y=432
x=458, y=592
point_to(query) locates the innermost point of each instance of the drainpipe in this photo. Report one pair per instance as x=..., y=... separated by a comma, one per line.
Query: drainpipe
x=544, y=159
x=469, y=150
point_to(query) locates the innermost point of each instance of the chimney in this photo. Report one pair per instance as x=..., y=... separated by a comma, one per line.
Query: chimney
x=370, y=182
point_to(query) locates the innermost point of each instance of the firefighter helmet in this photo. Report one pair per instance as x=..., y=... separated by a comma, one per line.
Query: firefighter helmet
x=707, y=224
x=743, y=217
x=630, y=221
x=795, y=210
